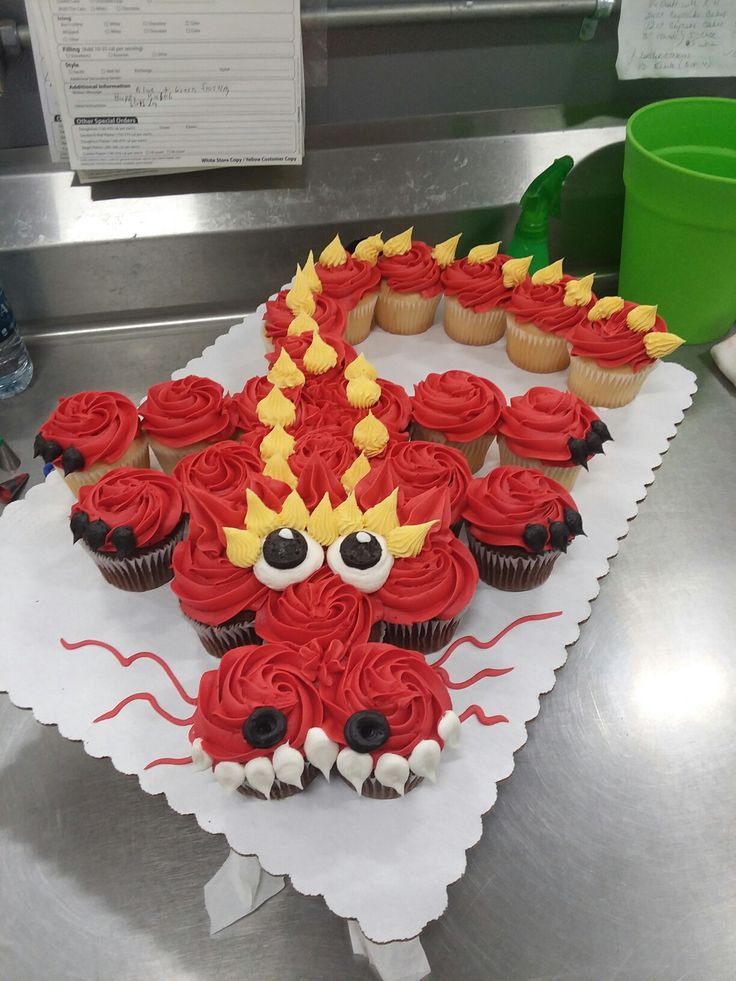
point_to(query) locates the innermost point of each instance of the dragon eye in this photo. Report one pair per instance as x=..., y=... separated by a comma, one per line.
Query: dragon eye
x=264, y=727
x=287, y=556
x=361, y=559
x=366, y=731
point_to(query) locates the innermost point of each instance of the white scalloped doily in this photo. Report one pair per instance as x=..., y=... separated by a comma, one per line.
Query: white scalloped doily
x=385, y=863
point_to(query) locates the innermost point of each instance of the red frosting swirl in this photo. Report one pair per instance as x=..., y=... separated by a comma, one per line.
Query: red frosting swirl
x=330, y=444
x=538, y=425
x=542, y=305
x=330, y=397
x=188, y=410
x=477, y=286
x=210, y=588
x=320, y=607
x=349, y=283
x=147, y=501
x=611, y=343
x=101, y=425
x=315, y=481
x=501, y=505
x=439, y=582
x=243, y=405
x=248, y=678
x=461, y=406
x=399, y=684
x=328, y=313
x=296, y=348
x=414, y=272
x=222, y=469
x=419, y=466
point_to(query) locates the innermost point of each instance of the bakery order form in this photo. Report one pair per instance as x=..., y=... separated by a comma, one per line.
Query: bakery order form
x=176, y=83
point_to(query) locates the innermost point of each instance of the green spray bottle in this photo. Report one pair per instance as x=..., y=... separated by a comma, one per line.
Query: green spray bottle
x=540, y=200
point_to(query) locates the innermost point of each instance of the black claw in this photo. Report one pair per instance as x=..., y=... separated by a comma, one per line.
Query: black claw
x=558, y=535
x=47, y=449
x=573, y=521
x=579, y=451
x=71, y=460
x=535, y=537
x=39, y=443
x=123, y=539
x=79, y=523
x=601, y=429
x=96, y=534
x=594, y=442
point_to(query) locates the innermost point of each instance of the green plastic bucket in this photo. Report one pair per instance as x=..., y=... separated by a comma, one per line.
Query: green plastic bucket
x=679, y=238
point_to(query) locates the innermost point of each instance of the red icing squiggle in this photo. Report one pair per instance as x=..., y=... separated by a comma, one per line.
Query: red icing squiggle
x=485, y=645
x=169, y=761
x=144, y=696
x=479, y=676
x=485, y=720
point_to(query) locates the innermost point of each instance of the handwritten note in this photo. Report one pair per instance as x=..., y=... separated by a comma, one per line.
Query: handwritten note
x=676, y=38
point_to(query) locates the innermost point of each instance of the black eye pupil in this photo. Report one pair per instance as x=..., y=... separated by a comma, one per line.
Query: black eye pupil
x=361, y=550
x=366, y=731
x=264, y=727
x=285, y=548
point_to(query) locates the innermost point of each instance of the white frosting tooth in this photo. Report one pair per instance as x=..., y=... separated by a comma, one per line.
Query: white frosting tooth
x=425, y=758
x=449, y=729
x=392, y=771
x=259, y=774
x=288, y=764
x=200, y=759
x=355, y=767
x=229, y=775
x=320, y=750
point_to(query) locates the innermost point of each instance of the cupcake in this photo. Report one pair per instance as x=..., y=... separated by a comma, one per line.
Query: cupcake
x=221, y=471
x=552, y=431
x=410, y=285
x=614, y=349
x=129, y=522
x=518, y=521
x=389, y=714
x=332, y=445
x=476, y=293
x=459, y=409
x=183, y=416
x=261, y=405
x=352, y=280
x=540, y=315
x=287, y=315
x=89, y=434
x=321, y=359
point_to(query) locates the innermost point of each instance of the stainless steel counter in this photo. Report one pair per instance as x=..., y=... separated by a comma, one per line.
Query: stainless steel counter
x=609, y=854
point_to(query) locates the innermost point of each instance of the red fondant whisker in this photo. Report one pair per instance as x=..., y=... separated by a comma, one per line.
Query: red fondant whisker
x=169, y=761
x=485, y=673
x=127, y=661
x=485, y=644
x=479, y=714
x=145, y=696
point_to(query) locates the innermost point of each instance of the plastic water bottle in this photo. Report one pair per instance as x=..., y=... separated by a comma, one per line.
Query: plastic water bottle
x=16, y=367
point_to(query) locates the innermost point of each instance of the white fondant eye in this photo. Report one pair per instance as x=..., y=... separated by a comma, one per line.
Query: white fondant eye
x=287, y=556
x=361, y=559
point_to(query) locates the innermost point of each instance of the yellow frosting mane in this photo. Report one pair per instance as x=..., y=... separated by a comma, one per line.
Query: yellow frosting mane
x=605, y=308
x=658, y=344
x=399, y=244
x=369, y=249
x=363, y=393
x=370, y=435
x=299, y=299
x=548, y=275
x=360, y=367
x=302, y=324
x=358, y=469
x=579, y=292
x=319, y=356
x=483, y=253
x=514, y=271
x=275, y=409
x=334, y=254
x=310, y=274
x=444, y=253
x=641, y=319
x=284, y=373
x=277, y=442
x=278, y=469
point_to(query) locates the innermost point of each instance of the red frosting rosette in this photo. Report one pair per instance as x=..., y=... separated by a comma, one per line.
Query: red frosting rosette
x=186, y=411
x=147, y=502
x=296, y=347
x=460, y=405
x=611, y=343
x=316, y=480
x=331, y=445
x=330, y=398
x=350, y=282
x=540, y=424
x=542, y=304
x=477, y=286
x=322, y=607
x=416, y=271
x=419, y=466
x=329, y=315
x=243, y=404
x=222, y=469
x=100, y=425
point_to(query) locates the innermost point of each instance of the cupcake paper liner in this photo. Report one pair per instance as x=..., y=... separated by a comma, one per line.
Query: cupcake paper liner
x=280, y=790
x=236, y=632
x=135, y=456
x=533, y=349
x=405, y=313
x=563, y=475
x=466, y=326
x=474, y=451
x=148, y=569
x=169, y=456
x=606, y=387
x=426, y=637
x=360, y=319
x=372, y=788
x=511, y=569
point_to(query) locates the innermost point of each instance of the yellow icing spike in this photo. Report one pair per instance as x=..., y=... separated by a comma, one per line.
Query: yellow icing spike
x=515, y=271
x=348, y=515
x=299, y=299
x=277, y=443
x=444, y=252
x=302, y=324
x=243, y=547
x=278, y=469
x=358, y=469
x=483, y=253
x=334, y=254
x=284, y=373
x=363, y=392
x=408, y=541
x=275, y=409
x=294, y=513
x=658, y=344
x=399, y=244
x=579, y=292
x=322, y=524
x=360, y=367
x=310, y=274
x=605, y=308
x=548, y=275
x=319, y=356
x=369, y=249
x=259, y=518
x=370, y=435
x=641, y=319
x=382, y=517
